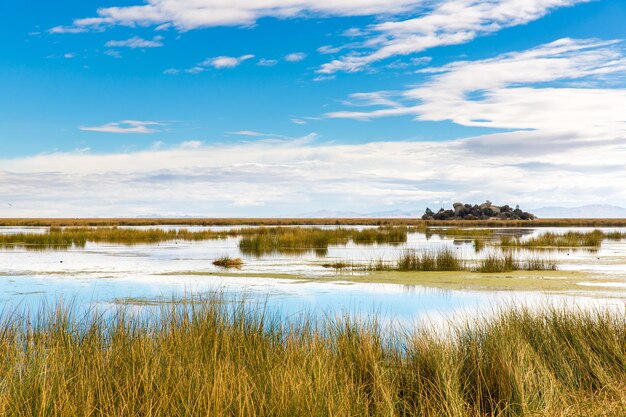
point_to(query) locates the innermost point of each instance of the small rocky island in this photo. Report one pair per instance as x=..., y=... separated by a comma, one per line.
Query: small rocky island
x=484, y=211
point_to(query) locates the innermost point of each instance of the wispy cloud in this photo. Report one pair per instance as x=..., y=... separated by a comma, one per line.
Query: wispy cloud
x=267, y=62
x=113, y=53
x=448, y=22
x=274, y=137
x=136, y=42
x=295, y=57
x=125, y=126
x=254, y=133
x=510, y=91
x=280, y=177
x=431, y=23
x=188, y=15
x=218, y=62
x=226, y=61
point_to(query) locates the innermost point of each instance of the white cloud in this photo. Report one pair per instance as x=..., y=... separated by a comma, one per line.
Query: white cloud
x=69, y=55
x=125, y=126
x=69, y=29
x=329, y=49
x=191, y=144
x=289, y=177
x=449, y=22
x=510, y=91
x=267, y=62
x=253, y=133
x=113, y=53
x=136, y=42
x=295, y=57
x=433, y=23
x=194, y=14
x=218, y=62
x=225, y=61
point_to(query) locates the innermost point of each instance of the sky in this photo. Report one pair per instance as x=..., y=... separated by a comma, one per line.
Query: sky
x=286, y=107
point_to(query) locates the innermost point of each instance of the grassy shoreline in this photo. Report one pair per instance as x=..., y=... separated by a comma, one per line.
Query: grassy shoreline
x=305, y=221
x=222, y=359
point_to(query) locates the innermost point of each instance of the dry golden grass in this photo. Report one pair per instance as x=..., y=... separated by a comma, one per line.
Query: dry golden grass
x=216, y=359
x=294, y=240
x=256, y=240
x=228, y=262
x=448, y=260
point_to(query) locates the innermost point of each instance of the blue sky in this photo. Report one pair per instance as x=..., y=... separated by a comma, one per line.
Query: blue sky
x=281, y=107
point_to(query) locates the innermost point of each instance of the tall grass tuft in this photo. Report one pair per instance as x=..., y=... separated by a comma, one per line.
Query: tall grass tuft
x=495, y=263
x=448, y=260
x=507, y=263
x=213, y=358
x=228, y=262
x=570, y=239
x=442, y=260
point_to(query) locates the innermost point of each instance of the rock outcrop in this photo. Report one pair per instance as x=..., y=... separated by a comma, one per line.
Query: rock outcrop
x=484, y=211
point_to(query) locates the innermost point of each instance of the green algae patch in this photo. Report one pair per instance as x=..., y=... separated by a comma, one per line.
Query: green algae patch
x=516, y=280
x=553, y=281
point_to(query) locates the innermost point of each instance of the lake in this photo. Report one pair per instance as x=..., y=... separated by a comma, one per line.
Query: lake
x=106, y=275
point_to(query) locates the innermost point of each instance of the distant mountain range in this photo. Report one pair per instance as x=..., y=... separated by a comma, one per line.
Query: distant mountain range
x=321, y=214
x=589, y=212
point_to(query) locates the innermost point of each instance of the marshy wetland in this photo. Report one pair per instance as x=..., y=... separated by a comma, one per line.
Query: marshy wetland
x=406, y=271
x=391, y=319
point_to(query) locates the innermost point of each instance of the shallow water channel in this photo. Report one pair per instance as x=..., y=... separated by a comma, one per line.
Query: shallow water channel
x=106, y=275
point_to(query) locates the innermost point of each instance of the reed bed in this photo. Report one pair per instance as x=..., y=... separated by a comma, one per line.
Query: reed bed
x=68, y=237
x=448, y=260
x=255, y=240
x=298, y=240
x=217, y=359
x=570, y=239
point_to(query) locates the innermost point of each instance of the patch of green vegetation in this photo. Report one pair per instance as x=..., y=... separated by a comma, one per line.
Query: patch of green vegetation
x=217, y=358
x=549, y=280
